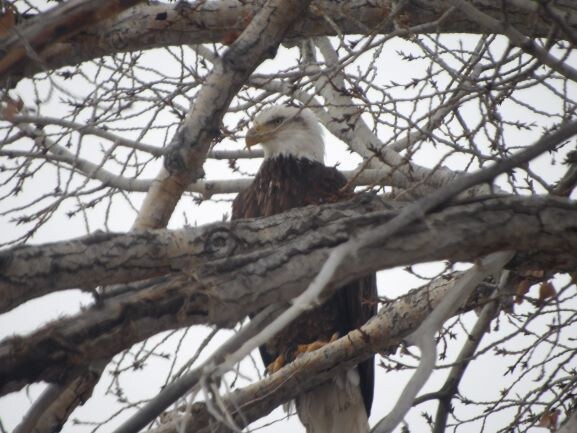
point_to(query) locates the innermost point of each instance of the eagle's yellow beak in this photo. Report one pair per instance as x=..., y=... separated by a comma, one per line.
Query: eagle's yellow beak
x=258, y=134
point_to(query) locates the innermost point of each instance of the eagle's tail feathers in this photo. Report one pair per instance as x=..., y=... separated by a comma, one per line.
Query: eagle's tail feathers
x=334, y=407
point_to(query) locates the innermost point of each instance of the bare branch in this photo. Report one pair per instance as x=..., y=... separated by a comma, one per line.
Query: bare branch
x=363, y=141
x=183, y=385
x=52, y=409
x=84, y=130
x=206, y=22
x=381, y=334
x=451, y=385
x=206, y=188
x=517, y=38
x=28, y=423
x=189, y=146
x=59, y=23
x=424, y=336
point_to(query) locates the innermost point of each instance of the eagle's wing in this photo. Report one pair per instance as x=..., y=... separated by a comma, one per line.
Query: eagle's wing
x=245, y=205
x=358, y=301
x=283, y=184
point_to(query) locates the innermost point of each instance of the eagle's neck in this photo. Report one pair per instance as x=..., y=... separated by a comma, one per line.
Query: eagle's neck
x=279, y=164
x=297, y=144
x=286, y=182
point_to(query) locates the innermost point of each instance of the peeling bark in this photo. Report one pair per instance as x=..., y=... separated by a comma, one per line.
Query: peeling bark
x=161, y=25
x=271, y=260
x=25, y=46
x=382, y=334
x=258, y=247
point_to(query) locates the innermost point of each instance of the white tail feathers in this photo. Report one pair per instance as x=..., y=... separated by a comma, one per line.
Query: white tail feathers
x=334, y=407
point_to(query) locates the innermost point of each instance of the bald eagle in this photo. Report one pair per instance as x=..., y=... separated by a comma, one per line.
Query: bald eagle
x=292, y=175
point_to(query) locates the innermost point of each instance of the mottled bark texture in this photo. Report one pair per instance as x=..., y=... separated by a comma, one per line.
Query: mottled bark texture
x=188, y=149
x=229, y=270
x=459, y=232
x=382, y=334
x=26, y=48
x=159, y=25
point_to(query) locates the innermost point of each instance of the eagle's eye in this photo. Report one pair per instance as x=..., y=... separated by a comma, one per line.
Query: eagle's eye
x=277, y=121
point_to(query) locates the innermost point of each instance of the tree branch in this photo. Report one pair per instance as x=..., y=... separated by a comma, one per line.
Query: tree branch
x=209, y=22
x=451, y=385
x=207, y=188
x=517, y=38
x=381, y=334
x=105, y=258
x=24, y=45
x=188, y=149
x=183, y=385
x=243, y=280
x=362, y=140
x=51, y=410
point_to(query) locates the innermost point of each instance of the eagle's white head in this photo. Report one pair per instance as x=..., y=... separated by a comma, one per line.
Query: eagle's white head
x=290, y=131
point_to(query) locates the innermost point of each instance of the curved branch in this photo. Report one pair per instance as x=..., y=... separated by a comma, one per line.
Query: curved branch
x=24, y=45
x=247, y=278
x=188, y=149
x=104, y=258
x=209, y=22
x=381, y=334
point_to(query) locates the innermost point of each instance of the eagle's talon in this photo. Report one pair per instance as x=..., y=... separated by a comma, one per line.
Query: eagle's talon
x=276, y=365
x=315, y=345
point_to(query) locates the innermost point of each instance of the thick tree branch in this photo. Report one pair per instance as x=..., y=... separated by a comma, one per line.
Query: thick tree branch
x=161, y=25
x=24, y=45
x=381, y=334
x=516, y=37
x=104, y=258
x=188, y=149
x=249, y=277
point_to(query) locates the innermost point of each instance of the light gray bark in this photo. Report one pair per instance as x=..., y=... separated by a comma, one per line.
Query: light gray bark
x=381, y=334
x=250, y=264
x=160, y=25
x=460, y=232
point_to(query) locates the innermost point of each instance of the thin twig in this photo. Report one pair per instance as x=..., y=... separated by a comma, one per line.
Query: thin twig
x=184, y=384
x=424, y=336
